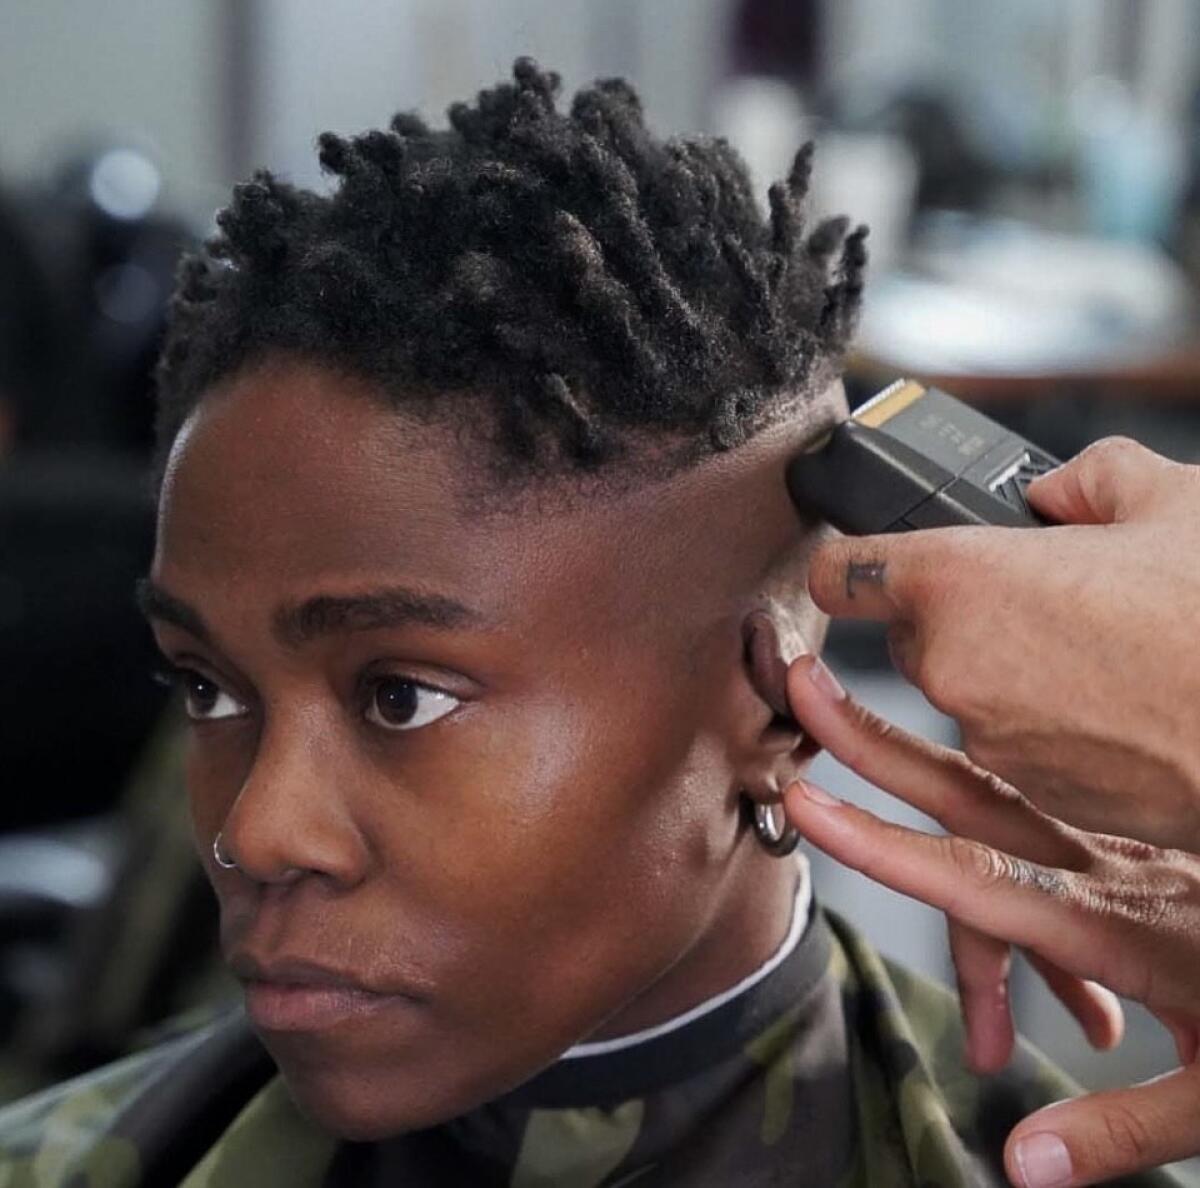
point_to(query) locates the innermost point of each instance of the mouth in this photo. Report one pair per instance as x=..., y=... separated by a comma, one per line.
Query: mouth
x=300, y=995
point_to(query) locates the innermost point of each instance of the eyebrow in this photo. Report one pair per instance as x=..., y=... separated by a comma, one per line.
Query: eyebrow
x=324, y=614
x=155, y=603
x=395, y=606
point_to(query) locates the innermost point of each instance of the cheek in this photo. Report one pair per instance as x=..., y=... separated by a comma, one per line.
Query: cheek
x=216, y=767
x=574, y=854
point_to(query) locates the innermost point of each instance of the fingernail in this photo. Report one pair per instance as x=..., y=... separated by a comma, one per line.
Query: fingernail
x=1044, y=1161
x=818, y=795
x=824, y=680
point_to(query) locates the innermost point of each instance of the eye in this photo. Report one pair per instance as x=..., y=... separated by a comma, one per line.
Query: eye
x=203, y=699
x=398, y=703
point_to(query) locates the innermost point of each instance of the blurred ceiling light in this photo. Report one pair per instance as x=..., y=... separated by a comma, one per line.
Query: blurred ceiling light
x=125, y=184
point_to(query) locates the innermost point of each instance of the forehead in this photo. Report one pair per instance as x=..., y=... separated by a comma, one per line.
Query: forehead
x=337, y=481
x=291, y=480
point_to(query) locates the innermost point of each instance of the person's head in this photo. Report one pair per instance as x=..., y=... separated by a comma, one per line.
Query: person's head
x=473, y=527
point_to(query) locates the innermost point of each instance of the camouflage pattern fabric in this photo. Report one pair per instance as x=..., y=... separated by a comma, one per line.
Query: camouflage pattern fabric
x=858, y=1080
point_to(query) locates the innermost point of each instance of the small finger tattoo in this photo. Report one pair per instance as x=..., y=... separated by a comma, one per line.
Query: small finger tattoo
x=872, y=573
x=1039, y=878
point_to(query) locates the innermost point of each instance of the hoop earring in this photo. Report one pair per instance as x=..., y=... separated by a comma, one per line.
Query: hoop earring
x=221, y=859
x=778, y=838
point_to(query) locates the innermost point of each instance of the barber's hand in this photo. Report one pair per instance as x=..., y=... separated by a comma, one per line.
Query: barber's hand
x=1069, y=656
x=1083, y=906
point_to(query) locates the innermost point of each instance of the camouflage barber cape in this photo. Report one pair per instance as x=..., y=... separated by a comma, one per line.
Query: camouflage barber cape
x=836, y=1068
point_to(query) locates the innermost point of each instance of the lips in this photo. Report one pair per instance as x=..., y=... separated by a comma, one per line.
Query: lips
x=301, y=995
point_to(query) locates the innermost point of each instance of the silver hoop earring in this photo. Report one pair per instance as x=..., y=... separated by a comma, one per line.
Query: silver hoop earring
x=221, y=859
x=778, y=838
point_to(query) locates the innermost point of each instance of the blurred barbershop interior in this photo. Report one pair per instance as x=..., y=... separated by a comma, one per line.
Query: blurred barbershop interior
x=1031, y=174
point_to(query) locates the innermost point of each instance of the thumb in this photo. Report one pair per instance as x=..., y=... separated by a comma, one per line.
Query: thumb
x=1108, y=1134
x=1106, y=483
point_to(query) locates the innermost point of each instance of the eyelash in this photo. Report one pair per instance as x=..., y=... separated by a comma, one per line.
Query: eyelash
x=181, y=677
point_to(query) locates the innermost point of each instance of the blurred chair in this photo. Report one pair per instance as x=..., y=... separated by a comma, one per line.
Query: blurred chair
x=30, y=360
x=76, y=659
x=85, y=270
x=108, y=933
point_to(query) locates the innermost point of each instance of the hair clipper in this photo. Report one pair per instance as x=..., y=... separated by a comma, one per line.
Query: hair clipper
x=915, y=457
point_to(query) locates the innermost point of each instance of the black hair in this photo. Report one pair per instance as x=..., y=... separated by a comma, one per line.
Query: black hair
x=590, y=283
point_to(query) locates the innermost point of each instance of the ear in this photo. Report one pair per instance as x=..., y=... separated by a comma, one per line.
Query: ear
x=775, y=747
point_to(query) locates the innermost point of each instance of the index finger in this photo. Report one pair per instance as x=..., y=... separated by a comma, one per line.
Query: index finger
x=935, y=779
x=1009, y=898
x=884, y=578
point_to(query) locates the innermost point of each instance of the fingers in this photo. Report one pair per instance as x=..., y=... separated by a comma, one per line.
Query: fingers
x=1105, y=484
x=1108, y=1134
x=1097, y=1010
x=982, y=966
x=937, y=780
x=874, y=577
x=1009, y=898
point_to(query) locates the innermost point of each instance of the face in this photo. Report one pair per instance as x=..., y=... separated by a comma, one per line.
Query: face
x=479, y=774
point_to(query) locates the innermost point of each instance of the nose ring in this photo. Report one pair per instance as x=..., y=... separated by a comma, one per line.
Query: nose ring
x=220, y=858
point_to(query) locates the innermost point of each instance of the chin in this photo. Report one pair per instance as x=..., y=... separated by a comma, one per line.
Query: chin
x=375, y=1102
x=364, y=1108
x=364, y=1089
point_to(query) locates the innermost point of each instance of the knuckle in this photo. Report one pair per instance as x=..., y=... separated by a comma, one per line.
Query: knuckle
x=1130, y=849
x=979, y=864
x=1148, y=899
x=1104, y=475
x=1126, y=1134
x=938, y=681
x=991, y=869
x=1112, y=450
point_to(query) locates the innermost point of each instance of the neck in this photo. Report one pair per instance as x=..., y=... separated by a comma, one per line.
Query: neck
x=751, y=925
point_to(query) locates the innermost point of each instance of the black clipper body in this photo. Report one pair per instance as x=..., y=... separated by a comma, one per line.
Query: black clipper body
x=914, y=457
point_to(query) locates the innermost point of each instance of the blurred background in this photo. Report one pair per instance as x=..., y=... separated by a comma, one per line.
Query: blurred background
x=1031, y=173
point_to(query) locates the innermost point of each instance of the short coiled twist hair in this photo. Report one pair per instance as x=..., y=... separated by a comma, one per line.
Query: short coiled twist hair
x=591, y=284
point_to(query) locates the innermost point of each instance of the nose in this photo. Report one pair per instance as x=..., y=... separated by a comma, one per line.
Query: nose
x=293, y=817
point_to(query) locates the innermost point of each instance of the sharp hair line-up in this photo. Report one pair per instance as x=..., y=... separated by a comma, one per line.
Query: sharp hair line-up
x=591, y=284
